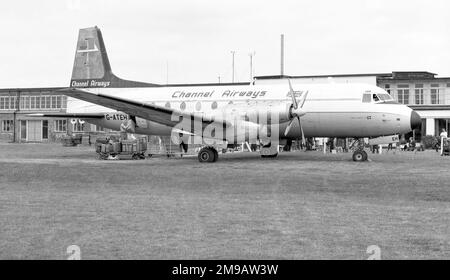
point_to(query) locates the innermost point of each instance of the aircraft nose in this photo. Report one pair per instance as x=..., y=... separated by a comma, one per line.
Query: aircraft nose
x=416, y=121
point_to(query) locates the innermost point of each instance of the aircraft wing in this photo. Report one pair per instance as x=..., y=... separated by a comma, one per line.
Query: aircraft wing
x=84, y=116
x=146, y=111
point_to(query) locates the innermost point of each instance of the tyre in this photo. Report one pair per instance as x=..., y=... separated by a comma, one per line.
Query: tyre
x=270, y=156
x=365, y=155
x=359, y=156
x=216, y=155
x=206, y=155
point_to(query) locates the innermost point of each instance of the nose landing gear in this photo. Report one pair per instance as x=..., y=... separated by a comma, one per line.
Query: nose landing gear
x=360, y=155
x=358, y=150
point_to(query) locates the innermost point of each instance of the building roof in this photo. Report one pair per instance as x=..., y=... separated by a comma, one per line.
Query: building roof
x=269, y=77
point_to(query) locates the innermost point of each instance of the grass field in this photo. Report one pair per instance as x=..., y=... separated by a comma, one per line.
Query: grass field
x=297, y=206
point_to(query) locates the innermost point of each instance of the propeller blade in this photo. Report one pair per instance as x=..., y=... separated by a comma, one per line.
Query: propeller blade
x=302, y=101
x=301, y=131
x=291, y=90
x=288, y=128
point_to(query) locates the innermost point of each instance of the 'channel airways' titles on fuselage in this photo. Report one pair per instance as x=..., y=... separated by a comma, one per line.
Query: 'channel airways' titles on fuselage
x=225, y=93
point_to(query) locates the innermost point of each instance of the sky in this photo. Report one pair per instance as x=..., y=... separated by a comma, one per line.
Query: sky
x=191, y=41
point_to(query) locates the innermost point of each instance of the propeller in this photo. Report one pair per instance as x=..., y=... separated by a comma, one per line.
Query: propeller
x=296, y=111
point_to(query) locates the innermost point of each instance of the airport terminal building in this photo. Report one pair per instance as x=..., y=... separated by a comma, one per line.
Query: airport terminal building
x=17, y=126
x=422, y=91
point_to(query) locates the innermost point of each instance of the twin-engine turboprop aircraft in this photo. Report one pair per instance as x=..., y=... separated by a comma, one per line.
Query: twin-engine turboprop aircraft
x=228, y=114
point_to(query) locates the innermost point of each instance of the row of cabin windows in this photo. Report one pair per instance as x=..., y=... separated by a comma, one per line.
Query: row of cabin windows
x=198, y=105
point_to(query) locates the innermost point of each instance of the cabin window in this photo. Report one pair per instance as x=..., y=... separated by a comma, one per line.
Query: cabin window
x=183, y=105
x=198, y=106
x=214, y=105
x=367, y=98
x=167, y=105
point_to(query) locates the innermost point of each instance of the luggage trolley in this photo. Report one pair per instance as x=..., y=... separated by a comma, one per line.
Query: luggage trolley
x=112, y=149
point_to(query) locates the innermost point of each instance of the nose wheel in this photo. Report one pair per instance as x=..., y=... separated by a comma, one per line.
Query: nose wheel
x=358, y=150
x=360, y=156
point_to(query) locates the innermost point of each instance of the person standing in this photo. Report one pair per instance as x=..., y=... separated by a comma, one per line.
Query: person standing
x=444, y=137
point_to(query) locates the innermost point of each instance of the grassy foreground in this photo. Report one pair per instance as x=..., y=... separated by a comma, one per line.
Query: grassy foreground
x=297, y=206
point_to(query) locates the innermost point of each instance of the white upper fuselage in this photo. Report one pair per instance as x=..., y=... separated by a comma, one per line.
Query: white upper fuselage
x=332, y=110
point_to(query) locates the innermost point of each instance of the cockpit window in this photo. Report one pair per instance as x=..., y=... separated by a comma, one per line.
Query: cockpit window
x=367, y=98
x=383, y=97
x=376, y=97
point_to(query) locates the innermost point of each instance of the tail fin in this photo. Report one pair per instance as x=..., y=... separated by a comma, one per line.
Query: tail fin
x=91, y=67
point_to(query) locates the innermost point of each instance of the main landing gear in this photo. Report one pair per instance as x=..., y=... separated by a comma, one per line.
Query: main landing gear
x=208, y=154
x=358, y=150
x=269, y=151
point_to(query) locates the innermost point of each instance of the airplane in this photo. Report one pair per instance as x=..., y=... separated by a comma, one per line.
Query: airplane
x=219, y=114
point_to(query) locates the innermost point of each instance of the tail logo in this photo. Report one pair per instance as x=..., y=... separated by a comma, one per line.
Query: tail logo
x=89, y=47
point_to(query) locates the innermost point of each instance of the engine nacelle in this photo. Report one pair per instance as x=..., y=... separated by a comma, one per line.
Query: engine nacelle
x=270, y=114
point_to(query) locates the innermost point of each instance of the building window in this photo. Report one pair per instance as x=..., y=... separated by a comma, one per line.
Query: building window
x=12, y=102
x=23, y=130
x=403, y=96
x=43, y=102
x=53, y=102
x=45, y=129
x=58, y=102
x=48, y=102
x=78, y=127
x=419, y=96
x=434, y=96
x=61, y=125
x=26, y=102
x=7, y=125
x=38, y=102
x=32, y=102
x=3, y=102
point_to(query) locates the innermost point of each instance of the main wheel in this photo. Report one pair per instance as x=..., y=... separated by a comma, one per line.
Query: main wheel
x=207, y=154
x=270, y=156
x=359, y=156
x=216, y=154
